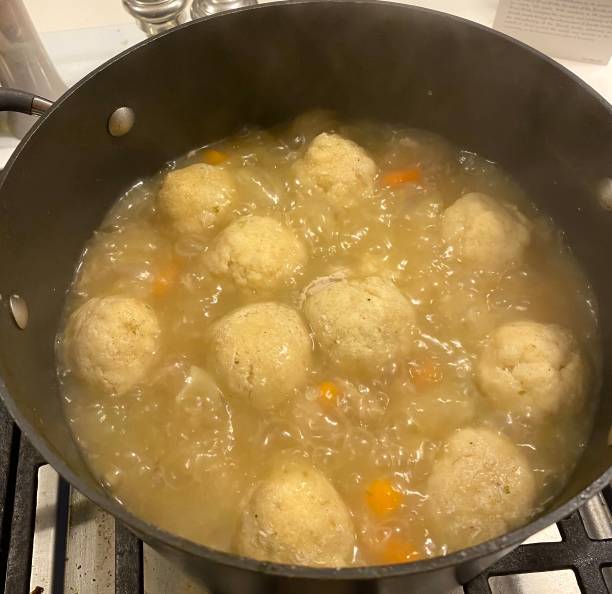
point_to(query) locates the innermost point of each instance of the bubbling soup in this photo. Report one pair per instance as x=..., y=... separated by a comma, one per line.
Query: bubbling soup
x=330, y=344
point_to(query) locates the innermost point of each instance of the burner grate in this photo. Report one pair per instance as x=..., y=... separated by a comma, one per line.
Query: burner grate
x=52, y=539
x=128, y=562
x=577, y=551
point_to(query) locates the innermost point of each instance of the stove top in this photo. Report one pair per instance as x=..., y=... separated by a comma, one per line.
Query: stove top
x=53, y=540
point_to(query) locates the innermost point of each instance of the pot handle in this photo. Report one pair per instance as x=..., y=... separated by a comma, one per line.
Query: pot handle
x=23, y=102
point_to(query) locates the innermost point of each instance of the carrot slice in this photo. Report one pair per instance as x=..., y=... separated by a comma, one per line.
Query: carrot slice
x=166, y=277
x=214, y=157
x=399, y=550
x=382, y=498
x=425, y=374
x=328, y=392
x=398, y=177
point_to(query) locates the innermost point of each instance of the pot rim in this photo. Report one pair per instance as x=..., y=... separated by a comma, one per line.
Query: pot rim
x=505, y=541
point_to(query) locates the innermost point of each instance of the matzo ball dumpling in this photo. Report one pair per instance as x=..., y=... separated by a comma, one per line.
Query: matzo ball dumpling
x=112, y=342
x=262, y=352
x=257, y=253
x=337, y=168
x=485, y=233
x=532, y=369
x=360, y=323
x=480, y=487
x=195, y=198
x=297, y=516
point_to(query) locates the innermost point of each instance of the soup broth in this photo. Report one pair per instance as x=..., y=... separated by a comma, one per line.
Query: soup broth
x=184, y=449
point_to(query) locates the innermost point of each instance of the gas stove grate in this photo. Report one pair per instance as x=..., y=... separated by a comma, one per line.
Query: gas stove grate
x=587, y=557
x=52, y=539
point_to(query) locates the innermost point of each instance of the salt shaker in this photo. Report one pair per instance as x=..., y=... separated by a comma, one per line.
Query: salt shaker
x=155, y=16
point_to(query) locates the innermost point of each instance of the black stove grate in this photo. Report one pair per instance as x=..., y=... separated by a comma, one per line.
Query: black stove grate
x=585, y=556
x=19, y=464
x=128, y=562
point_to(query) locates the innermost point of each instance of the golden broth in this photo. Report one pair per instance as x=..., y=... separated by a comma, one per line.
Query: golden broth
x=187, y=464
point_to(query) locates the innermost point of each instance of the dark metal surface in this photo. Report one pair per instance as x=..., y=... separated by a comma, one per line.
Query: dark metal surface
x=205, y=80
x=9, y=444
x=128, y=562
x=22, y=524
x=584, y=556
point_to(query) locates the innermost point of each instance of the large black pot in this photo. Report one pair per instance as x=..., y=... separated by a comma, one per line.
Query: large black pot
x=264, y=65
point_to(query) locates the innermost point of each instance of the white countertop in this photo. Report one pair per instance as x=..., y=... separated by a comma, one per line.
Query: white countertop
x=79, y=35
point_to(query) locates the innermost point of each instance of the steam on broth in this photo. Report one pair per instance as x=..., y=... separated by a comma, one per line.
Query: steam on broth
x=330, y=344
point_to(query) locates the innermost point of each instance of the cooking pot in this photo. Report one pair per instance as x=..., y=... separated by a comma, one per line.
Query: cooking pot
x=264, y=65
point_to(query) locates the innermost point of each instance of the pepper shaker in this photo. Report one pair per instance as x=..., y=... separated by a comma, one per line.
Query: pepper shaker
x=155, y=16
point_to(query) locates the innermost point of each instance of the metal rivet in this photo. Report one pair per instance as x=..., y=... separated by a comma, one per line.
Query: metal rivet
x=121, y=121
x=604, y=193
x=19, y=309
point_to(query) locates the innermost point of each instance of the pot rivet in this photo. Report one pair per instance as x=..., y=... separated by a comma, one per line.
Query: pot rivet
x=121, y=121
x=19, y=309
x=604, y=193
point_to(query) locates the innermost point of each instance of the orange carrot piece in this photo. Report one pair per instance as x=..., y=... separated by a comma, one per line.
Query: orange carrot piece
x=399, y=550
x=214, y=157
x=382, y=498
x=425, y=374
x=166, y=276
x=328, y=392
x=398, y=177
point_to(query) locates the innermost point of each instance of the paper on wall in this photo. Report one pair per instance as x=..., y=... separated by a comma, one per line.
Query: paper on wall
x=573, y=29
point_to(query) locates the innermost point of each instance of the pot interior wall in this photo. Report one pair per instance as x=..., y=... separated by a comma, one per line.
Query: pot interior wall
x=264, y=66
